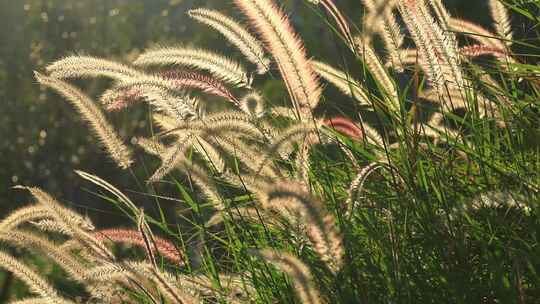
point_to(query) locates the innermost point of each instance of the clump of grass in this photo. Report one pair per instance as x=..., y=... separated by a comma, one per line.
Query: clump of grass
x=439, y=201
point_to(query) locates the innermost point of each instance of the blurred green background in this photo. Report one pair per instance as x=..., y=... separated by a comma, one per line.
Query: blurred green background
x=43, y=139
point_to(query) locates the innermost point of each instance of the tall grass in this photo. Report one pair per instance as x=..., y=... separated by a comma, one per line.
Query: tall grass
x=432, y=199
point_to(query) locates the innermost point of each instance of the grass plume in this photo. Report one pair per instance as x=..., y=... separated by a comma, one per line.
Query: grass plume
x=118, y=151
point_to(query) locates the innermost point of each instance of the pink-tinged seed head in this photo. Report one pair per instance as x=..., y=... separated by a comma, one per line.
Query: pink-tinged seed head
x=133, y=237
x=344, y=126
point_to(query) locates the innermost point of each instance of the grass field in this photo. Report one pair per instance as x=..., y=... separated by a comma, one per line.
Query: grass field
x=426, y=192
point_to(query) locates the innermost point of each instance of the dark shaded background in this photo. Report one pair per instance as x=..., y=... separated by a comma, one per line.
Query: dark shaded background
x=42, y=139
